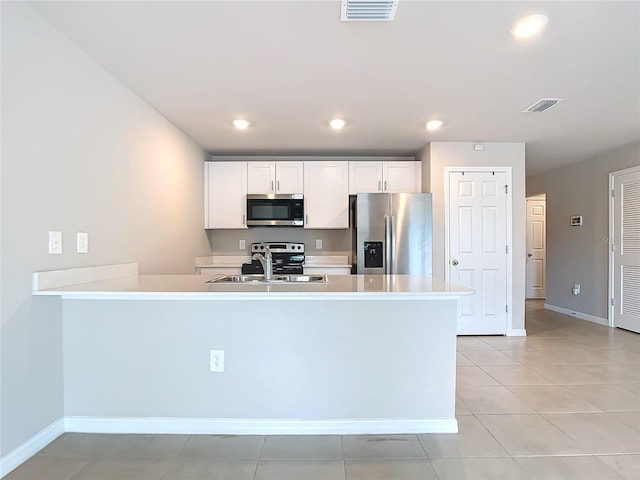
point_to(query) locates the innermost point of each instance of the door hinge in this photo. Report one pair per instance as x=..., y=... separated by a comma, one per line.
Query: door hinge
x=506, y=308
x=613, y=302
x=506, y=249
x=506, y=189
x=613, y=193
x=613, y=247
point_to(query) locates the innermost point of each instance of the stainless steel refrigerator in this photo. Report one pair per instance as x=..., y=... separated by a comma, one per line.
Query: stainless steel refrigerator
x=392, y=233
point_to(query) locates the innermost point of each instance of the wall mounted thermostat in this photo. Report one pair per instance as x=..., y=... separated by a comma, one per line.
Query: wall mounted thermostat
x=576, y=220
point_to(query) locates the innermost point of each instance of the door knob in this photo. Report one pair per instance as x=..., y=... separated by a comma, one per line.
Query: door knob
x=529, y=254
x=454, y=262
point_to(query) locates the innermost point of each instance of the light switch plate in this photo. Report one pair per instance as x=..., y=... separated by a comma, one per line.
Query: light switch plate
x=55, y=243
x=242, y=245
x=319, y=244
x=82, y=242
x=216, y=360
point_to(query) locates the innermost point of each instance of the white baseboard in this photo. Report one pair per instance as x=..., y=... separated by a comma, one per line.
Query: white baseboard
x=221, y=426
x=580, y=315
x=517, y=332
x=32, y=446
x=195, y=426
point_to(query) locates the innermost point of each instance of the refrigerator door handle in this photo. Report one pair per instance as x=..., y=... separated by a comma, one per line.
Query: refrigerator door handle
x=393, y=267
x=387, y=244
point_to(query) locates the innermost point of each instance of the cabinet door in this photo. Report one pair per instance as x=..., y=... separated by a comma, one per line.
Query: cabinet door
x=401, y=177
x=261, y=177
x=365, y=177
x=326, y=194
x=225, y=194
x=289, y=177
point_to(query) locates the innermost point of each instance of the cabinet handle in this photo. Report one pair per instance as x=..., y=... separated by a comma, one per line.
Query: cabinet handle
x=379, y=185
x=278, y=185
x=272, y=185
x=306, y=218
x=385, y=185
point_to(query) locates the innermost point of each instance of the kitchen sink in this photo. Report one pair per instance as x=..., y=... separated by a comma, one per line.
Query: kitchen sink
x=276, y=279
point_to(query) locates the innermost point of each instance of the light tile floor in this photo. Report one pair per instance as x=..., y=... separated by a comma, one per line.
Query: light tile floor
x=562, y=403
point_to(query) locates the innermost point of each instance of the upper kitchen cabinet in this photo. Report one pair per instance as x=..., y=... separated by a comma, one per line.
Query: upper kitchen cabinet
x=275, y=177
x=326, y=194
x=385, y=177
x=225, y=195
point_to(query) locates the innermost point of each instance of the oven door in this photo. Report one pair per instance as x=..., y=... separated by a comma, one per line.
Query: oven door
x=275, y=210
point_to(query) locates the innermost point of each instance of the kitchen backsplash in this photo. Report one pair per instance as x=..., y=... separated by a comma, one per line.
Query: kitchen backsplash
x=333, y=241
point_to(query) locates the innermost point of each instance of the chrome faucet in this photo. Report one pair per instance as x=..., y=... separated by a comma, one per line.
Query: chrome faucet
x=266, y=260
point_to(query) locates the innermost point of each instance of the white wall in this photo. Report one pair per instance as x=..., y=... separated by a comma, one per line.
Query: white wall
x=580, y=254
x=278, y=365
x=435, y=158
x=80, y=152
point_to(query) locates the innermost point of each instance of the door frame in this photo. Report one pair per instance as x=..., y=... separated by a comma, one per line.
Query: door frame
x=611, y=239
x=509, y=214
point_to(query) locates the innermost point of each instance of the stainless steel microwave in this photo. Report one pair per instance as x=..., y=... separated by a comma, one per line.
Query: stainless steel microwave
x=275, y=210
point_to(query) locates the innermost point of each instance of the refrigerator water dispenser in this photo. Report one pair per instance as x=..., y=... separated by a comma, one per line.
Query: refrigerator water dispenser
x=373, y=255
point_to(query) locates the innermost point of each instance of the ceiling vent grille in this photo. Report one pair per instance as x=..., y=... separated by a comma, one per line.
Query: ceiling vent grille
x=542, y=105
x=368, y=10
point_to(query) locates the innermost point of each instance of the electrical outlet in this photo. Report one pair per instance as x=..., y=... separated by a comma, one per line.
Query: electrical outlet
x=82, y=242
x=319, y=244
x=216, y=360
x=576, y=289
x=55, y=243
x=242, y=245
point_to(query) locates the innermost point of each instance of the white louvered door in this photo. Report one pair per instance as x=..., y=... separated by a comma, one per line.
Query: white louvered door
x=626, y=255
x=477, y=249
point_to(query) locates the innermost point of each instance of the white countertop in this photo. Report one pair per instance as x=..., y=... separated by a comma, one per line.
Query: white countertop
x=194, y=287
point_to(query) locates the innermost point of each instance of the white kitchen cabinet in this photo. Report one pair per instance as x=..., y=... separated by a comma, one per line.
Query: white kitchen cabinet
x=326, y=194
x=385, y=177
x=225, y=204
x=275, y=177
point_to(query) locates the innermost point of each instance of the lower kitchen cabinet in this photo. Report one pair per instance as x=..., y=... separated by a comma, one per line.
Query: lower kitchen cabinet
x=326, y=194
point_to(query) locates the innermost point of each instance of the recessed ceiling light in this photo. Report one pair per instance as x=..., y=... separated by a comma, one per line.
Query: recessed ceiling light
x=241, y=123
x=529, y=26
x=337, y=123
x=434, y=124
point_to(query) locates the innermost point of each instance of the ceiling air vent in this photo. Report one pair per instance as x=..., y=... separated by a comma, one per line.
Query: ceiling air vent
x=542, y=105
x=368, y=10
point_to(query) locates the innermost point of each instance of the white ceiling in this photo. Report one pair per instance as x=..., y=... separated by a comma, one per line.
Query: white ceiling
x=290, y=66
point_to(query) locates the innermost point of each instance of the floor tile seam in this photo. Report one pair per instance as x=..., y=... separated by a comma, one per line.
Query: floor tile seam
x=506, y=455
x=538, y=455
x=377, y=457
x=579, y=439
x=301, y=458
x=499, y=382
x=598, y=409
x=492, y=435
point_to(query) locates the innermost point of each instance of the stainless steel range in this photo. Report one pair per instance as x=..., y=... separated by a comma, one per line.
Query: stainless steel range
x=288, y=257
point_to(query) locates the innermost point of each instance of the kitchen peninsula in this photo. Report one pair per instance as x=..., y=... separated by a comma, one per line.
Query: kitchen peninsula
x=358, y=354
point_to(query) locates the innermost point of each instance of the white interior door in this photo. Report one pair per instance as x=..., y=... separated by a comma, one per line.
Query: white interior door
x=626, y=250
x=536, y=246
x=477, y=250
